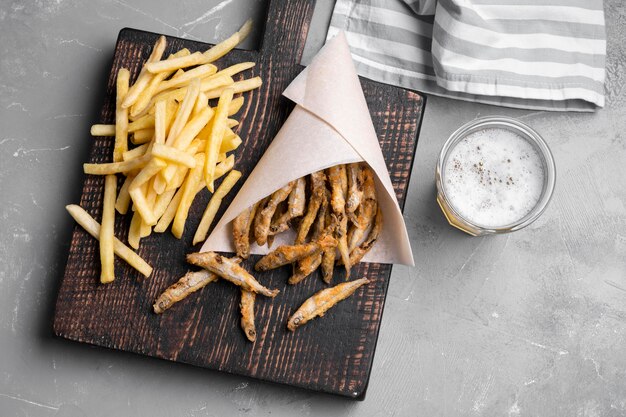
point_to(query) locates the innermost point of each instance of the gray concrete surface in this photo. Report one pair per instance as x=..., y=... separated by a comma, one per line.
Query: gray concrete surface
x=528, y=324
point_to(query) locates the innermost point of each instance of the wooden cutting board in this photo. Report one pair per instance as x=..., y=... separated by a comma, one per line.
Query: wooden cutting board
x=333, y=354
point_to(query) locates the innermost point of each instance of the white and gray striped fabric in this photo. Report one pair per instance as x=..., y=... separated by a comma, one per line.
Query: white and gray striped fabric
x=534, y=54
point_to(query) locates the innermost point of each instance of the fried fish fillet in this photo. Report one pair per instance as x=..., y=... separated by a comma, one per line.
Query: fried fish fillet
x=247, y=314
x=323, y=300
x=263, y=219
x=241, y=231
x=287, y=254
x=230, y=271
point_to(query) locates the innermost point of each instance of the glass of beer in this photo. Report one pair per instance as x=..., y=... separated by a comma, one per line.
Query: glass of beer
x=494, y=175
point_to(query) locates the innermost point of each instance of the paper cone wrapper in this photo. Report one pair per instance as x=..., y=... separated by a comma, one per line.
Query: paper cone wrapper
x=329, y=125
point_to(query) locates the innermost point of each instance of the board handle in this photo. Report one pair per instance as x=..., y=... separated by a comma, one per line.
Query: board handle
x=287, y=26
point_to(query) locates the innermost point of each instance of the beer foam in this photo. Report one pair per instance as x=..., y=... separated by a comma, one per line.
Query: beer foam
x=493, y=177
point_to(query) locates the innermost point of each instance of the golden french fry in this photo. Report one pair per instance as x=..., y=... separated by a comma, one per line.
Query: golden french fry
x=231, y=123
x=216, y=81
x=142, y=136
x=143, y=101
x=189, y=193
x=160, y=121
x=235, y=105
x=192, y=129
x=238, y=87
x=144, y=122
x=237, y=68
x=144, y=76
x=215, y=138
x=184, y=111
x=187, y=134
x=162, y=201
x=135, y=153
x=116, y=167
x=121, y=115
x=149, y=171
x=171, y=65
x=201, y=102
x=230, y=142
x=142, y=206
x=107, y=273
x=134, y=231
x=224, y=166
x=168, y=215
x=172, y=154
x=198, y=72
x=102, y=130
x=92, y=227
x=123, y=198
x=214, y=205
x=227, y=45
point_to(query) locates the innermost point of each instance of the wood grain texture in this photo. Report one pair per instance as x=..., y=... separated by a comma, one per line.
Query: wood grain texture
x=333, y=354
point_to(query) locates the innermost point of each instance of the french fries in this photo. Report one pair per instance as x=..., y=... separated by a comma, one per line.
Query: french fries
x=214, y=205
x=102, y=130
x=106, y=236
x=121, y=115
x=93, y=228
x=169, y=117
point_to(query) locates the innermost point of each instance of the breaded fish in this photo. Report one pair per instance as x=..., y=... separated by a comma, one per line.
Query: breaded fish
x=355, y=189
x=338, y=186
x=247, y=314
x=359, y=252
x=263, y=218
x=318, y=191
x=287, y=254
x=308, y=265
x=188, y=284
x=328, y=257
x=241, y=231
x=295, y=208
x=366, y=212
x=230, y=271
x=321, y=301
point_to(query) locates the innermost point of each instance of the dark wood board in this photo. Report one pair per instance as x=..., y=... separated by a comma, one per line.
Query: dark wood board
x=333, y=354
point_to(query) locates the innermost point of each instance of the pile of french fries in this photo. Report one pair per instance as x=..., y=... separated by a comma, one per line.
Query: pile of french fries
x=181, y=146
x=337, y=219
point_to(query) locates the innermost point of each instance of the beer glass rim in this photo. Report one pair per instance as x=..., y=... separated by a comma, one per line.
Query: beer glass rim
x=525, y=131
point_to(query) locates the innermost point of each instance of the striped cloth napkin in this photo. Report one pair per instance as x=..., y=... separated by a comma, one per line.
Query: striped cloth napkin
x=533, y=54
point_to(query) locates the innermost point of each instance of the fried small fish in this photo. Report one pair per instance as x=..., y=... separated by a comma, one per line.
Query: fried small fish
x=339, y=185
x=247, y=314
x=328, y=257
x=295, y=208
x=241, y=231
x=359, y=252
x=323, y=300
x=188, y=284
x=263, y=219
x=230, y=271
x=308, y=265
x=287, y=254
x=355, y=189
x=318, y=191
x=366, y=213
